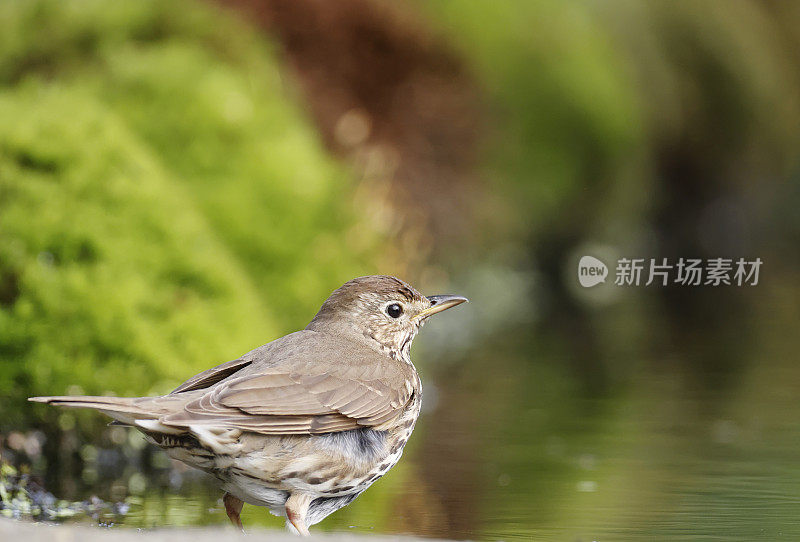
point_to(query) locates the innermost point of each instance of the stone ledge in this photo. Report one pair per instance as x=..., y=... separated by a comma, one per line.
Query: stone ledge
x=23, y=531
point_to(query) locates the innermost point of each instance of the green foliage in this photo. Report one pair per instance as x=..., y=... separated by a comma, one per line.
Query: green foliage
x=163, y=205
x=564, y=112
x=592, y=103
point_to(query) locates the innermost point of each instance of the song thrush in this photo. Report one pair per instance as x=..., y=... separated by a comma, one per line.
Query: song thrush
x=304, y=424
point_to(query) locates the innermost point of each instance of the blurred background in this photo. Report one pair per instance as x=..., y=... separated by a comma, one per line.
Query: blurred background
x=182, y=181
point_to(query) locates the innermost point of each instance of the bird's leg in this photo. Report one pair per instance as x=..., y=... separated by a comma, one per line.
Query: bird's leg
x=233, y=507
x=296, y=508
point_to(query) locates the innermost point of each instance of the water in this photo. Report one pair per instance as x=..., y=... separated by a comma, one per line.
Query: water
x=549, y=433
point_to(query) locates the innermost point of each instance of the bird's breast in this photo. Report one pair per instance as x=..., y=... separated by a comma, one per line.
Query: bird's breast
x=326, y=465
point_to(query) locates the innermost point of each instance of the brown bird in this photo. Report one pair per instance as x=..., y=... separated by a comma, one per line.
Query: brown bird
x=305, y=423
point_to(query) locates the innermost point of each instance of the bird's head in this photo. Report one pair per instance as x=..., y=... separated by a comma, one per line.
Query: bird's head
x=382, y=311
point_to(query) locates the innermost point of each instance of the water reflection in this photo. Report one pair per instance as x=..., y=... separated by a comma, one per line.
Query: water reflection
x=518, y=443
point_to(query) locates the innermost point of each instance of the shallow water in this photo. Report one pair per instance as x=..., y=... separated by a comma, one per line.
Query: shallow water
x=533, y=435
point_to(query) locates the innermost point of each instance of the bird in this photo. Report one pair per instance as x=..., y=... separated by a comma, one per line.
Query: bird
x=303, y=424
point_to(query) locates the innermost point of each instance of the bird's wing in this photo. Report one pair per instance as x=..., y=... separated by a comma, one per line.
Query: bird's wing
x=212, y=376
x=304, y=383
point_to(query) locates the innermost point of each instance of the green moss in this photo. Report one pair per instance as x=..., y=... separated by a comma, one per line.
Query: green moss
x=164, y=205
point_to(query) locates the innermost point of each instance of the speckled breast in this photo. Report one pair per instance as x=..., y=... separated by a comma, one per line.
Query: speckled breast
x=392, y=436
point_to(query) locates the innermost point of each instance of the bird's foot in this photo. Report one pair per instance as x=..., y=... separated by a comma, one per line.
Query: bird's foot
x=233, y=507
x=296, y=508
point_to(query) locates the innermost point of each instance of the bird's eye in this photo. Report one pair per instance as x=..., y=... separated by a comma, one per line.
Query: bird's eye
x=394, y=310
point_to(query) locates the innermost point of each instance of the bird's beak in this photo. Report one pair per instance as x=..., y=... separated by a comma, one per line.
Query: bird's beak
x=440, y=303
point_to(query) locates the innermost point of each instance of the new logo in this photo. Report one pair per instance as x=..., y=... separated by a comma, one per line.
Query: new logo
x=591, y=271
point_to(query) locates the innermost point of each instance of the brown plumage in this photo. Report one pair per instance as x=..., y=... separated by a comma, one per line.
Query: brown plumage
x=304, y=424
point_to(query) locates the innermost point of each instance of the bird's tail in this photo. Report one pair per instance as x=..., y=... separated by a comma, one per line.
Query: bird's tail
x=123, y=409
